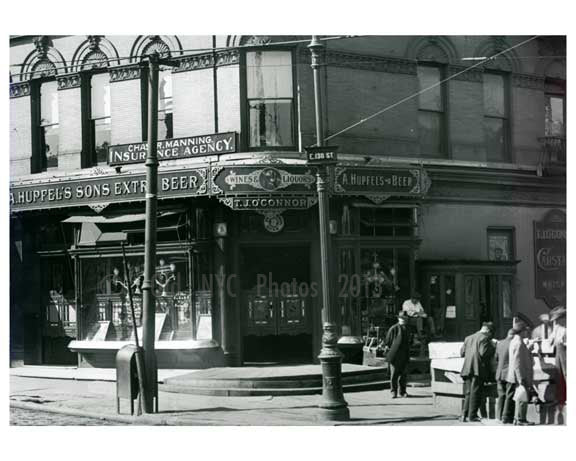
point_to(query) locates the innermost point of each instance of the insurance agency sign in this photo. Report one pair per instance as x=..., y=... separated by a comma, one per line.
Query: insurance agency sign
x=550, y=258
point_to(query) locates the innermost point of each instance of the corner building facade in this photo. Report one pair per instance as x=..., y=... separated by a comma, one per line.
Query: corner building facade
x=458, y=192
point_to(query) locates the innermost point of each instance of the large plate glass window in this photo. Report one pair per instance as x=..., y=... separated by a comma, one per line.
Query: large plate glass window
x=49, y=126
x=100, y=116
x=269, y=82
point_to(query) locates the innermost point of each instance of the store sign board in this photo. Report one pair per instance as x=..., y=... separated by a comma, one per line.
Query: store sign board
x=259, y=179
x=173, y=149
x=121, y=188
x=550, y=258
x=268, y=202
x=380, y=181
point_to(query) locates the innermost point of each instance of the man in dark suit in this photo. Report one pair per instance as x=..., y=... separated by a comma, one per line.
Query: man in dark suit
x=505, y=402
x=478, y=352
x=398, y=340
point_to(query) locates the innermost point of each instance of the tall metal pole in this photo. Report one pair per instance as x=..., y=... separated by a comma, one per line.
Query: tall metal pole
x=333, y=406
x=148, y=298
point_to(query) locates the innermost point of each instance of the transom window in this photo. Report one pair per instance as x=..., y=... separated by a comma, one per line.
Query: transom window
x=270, y=98
x=496, y=131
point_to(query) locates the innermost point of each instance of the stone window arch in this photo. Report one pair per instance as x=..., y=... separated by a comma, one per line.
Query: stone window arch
x=165, y=45
x=94, y=53
x=506, y=62
x=437, y=49
x=44, y=60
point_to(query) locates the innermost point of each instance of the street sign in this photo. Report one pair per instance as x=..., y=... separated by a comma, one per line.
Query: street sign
x=321, y=155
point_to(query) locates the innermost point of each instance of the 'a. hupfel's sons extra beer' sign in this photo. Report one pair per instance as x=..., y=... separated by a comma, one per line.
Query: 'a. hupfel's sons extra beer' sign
x=550, y=257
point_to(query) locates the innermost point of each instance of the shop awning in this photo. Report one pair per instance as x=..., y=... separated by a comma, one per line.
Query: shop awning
x=127, y=218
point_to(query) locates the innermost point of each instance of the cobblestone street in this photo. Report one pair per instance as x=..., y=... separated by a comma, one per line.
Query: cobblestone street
x=21, y=417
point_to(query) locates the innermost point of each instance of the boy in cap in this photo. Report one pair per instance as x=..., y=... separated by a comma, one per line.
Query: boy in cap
x=398, y=340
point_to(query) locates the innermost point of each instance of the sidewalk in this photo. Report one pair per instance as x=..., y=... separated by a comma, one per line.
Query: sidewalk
x=98, y=399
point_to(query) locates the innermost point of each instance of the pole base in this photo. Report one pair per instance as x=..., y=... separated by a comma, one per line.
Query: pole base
x=334, y=414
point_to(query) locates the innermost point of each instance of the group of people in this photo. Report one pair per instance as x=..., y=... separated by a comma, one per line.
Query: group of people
x=514, y=374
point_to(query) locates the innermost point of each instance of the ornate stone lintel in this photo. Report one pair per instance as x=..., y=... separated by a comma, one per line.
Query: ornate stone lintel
x=195, y=62
x=466, y=75
x=534, y=82
x=66, y=82
x=367, y=62
x=18, y=90
x=227, y=58
x=121, y=74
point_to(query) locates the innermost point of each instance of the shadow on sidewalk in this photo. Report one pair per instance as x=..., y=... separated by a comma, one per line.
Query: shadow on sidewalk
x=414, y=419
x=215, y=409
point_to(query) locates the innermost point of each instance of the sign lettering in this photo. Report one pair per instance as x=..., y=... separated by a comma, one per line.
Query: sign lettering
x=246, y=179
x=394, y=181
x=171, y=149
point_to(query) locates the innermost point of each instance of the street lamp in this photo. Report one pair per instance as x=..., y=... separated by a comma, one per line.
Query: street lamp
x=332, y=404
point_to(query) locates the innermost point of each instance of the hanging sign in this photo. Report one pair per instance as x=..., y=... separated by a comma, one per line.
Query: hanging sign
x=173, y=149
x=325, y=155
x=550, y=258
x=120, y=188
x=270, y=202
x=258, y=179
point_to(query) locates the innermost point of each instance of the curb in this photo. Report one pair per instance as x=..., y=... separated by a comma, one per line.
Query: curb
x=132, y=420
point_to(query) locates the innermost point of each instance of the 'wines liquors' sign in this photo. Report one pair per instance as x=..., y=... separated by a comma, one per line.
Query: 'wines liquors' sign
x=173, y=149
x=550, y=258
x=120, y=188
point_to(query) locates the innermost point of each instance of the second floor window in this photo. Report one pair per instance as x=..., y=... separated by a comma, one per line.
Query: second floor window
x=496, y=129
x=431, y=112
x=270, y=98
x=165, y=104
x=554, y=111
x=100, y=117
x=49, y=126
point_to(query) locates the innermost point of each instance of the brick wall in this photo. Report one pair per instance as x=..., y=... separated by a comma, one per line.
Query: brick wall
x=193, y=103
x=126, y=112
x=20, y=136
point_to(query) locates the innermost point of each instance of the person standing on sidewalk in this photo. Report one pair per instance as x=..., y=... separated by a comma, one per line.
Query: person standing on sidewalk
x=520, y=374
x=478, y=352
x=505, y=402
x=397, y=342
x=558, y=340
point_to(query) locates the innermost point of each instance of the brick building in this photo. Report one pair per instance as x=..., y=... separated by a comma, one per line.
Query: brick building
x=458, y=192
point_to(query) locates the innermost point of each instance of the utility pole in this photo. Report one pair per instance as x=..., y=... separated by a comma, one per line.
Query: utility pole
x=332, y=405
x=148, y=297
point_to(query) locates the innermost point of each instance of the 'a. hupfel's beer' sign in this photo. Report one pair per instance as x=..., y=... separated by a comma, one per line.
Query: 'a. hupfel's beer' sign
x=550, y=258
x=173, y=149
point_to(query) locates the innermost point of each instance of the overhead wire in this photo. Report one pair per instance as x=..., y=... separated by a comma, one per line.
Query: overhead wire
x=418, y=93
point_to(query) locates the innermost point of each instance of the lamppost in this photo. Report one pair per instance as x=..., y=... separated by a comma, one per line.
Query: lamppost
x=332, y=404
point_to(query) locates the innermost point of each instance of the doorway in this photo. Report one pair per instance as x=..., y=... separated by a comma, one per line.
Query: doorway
x=275, y=304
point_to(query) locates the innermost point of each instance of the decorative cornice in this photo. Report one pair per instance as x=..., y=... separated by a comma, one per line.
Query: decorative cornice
x=336, y=58
x=471, y=75
x=206, y=60
x=534, y=82
x=66, y=82
x=194, y=62
x=18, y=90
x=120, y=74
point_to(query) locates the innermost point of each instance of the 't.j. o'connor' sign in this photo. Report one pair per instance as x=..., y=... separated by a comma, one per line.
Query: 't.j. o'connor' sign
x=550, y=258
x=121, y=188
x=172, y=149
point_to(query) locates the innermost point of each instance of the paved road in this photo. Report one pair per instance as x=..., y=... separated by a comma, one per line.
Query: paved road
x=21, y=417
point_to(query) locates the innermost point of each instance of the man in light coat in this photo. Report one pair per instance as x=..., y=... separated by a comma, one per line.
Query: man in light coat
x=478, y=352
x=520, y=373
x=505, y=402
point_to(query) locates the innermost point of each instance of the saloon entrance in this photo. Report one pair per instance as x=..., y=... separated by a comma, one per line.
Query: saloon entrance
x=276, y=304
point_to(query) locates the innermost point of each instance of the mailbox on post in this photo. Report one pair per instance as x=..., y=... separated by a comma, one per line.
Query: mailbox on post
x=126, y=376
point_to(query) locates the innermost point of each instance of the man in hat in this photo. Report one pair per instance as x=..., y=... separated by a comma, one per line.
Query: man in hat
x=414, y=309
x=505, y=402
x=520, y=376
x=397, y=343
x=558, y=340
x=478, y=352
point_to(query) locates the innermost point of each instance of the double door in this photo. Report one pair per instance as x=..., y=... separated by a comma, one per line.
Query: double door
x=267, y=315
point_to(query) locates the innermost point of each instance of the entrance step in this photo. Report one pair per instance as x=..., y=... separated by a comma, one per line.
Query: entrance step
x=276, y=381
